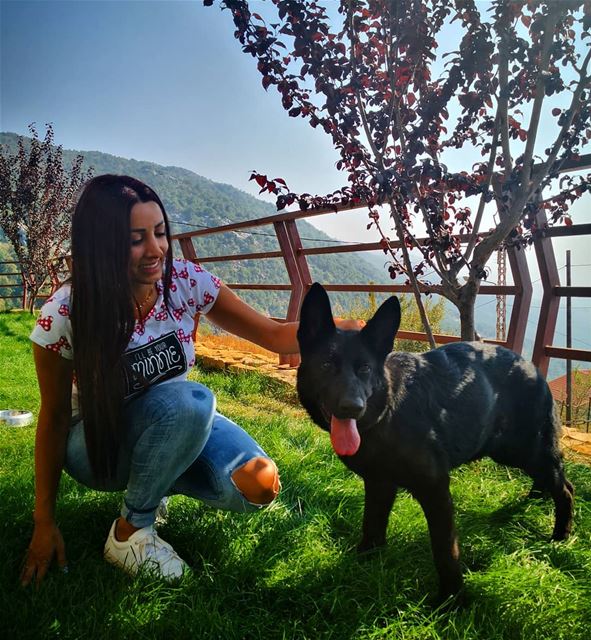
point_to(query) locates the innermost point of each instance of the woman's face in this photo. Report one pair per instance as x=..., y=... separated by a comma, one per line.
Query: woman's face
x=148, y=243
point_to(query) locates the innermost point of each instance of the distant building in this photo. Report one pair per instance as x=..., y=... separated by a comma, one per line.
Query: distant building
x=581, y=397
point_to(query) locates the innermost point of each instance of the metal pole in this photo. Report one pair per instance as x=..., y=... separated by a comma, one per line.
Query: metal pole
x=501, y=297
x=569, y=386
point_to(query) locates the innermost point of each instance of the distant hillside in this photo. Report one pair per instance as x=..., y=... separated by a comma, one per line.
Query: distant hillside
x=193, y=201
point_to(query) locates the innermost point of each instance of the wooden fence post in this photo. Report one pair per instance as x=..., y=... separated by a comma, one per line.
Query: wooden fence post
x=522, y=281
x=550, y=302
x=521, y=300
x=189, y=253
x=298, y=272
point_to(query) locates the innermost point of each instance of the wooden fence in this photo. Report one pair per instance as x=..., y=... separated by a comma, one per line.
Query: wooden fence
x=294, y=255
x=11, y=279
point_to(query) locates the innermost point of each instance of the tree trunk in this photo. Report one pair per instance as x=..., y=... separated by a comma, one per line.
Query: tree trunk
x=32, y=300
x=25, y=296
x=30, y=291
x=465, y=304
x=467, y=331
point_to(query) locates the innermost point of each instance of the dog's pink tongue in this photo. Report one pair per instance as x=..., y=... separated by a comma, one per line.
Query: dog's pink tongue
x=344, y=436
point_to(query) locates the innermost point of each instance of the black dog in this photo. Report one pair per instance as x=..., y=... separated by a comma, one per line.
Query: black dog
x=407, y=419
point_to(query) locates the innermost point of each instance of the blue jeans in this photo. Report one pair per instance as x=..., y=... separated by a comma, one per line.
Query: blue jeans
x=174, y=443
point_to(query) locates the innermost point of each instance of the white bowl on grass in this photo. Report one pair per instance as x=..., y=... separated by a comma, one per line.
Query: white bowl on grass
x=16, y=418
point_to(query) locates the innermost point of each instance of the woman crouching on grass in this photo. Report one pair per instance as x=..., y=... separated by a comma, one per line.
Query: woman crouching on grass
x=112, y=350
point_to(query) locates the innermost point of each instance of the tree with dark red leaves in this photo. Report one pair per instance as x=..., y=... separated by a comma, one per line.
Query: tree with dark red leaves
x=402, y=111
x=36, y=197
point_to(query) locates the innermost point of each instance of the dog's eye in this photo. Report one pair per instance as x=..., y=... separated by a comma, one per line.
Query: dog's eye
x=364, y=368
x=327, y=364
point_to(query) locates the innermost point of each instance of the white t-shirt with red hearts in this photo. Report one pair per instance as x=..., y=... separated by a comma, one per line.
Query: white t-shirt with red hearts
x=161, y=348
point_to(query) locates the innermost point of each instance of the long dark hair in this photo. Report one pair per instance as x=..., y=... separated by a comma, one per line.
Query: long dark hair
x=102, y=308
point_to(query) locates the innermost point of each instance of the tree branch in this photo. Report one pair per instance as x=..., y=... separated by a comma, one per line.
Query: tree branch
x=412, y=278
x=532, y=132
x=584, y=82
x=506, y=224
x=489, y=171
x=360, y=105
x=503, y=104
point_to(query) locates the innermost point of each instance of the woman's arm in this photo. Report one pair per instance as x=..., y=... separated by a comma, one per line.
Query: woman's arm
x=54, y=375
x=232, y=314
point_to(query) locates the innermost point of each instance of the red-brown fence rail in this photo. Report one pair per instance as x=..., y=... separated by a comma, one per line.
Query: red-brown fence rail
x=295, y=255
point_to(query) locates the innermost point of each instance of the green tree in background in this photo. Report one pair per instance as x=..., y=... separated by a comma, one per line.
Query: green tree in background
x=581, y=400
x=36, y=197
x=410, y=321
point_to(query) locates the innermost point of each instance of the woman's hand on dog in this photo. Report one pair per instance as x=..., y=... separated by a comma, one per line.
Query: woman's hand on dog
x=349, y=324
x=46, y=542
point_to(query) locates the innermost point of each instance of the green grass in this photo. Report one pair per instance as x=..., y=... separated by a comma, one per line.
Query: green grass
x=290, y=571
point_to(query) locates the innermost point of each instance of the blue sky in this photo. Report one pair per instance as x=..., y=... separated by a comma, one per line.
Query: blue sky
x=159, y=81
x=166, y=81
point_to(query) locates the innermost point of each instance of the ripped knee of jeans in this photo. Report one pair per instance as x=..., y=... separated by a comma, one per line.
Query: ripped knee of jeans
x=257, y=480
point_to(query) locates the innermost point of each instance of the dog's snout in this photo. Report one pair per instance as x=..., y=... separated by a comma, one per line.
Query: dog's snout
x=351, y=407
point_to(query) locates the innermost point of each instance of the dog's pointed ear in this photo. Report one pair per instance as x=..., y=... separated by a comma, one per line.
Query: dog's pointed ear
x=380, y=331
x=315, y=318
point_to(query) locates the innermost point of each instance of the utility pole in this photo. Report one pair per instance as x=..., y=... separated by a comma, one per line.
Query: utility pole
x=501, y=297
x=569, y=385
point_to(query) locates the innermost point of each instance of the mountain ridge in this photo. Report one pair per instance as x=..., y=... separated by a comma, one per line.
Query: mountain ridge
x=194, y=201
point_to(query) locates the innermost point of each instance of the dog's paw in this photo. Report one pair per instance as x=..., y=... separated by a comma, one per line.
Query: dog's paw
x=451, y=601
x=452, y=593
x=366, y=547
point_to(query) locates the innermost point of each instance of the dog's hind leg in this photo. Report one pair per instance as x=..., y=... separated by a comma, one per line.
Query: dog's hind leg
x=536, y=491
x=563, y=496
x=435, y=500
x=550, y=477
x=379, y=498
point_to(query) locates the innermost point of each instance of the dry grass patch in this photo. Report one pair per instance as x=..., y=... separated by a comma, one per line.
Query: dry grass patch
x=226, y=341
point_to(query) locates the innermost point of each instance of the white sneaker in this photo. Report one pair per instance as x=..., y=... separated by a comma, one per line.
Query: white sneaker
x=144, y=550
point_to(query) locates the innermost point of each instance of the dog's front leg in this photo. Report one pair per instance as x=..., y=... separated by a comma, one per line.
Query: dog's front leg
x=435, y=500
x=379, y=498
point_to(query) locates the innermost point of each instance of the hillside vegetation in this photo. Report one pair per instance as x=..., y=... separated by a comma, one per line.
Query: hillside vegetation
x=193, y=202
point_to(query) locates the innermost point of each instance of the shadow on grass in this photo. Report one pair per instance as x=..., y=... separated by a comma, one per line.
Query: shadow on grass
x=8, y=321
x=290, y=571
